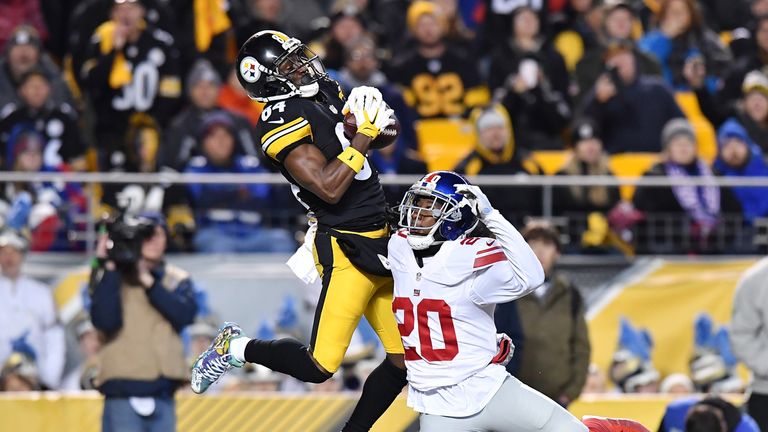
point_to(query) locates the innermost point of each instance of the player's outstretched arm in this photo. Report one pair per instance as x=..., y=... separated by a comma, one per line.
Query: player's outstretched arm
x=524, y=272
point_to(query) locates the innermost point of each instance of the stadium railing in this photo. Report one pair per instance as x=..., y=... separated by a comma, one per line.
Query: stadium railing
x=661, y=231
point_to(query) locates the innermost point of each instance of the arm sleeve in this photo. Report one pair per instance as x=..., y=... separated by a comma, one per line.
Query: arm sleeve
x=106, y=308
x=512, y=278
x=580, y=352
x=53, y=355
x=747, y=328
x=177, y=306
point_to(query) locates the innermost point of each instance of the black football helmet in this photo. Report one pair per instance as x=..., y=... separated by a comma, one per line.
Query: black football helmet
x=272, y=66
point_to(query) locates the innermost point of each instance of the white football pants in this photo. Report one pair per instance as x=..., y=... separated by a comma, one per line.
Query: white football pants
x=514, y=408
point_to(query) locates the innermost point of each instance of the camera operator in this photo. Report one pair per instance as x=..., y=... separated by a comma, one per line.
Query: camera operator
x=140, y=304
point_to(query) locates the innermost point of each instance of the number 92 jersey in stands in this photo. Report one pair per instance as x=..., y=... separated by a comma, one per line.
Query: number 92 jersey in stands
x=287, y=124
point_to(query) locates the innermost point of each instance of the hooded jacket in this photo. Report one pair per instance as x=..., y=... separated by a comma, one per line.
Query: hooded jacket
x=754, y=200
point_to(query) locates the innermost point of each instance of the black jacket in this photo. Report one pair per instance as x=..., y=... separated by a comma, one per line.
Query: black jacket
x=180, y=142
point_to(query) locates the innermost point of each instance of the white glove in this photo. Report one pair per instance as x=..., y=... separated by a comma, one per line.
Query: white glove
x=481, y=206
x=505, y=349
x=372, y=114
x=357, y=97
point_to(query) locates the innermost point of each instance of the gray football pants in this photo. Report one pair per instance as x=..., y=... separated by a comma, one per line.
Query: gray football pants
x=514, y=408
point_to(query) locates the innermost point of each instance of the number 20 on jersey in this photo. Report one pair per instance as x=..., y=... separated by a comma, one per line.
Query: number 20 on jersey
x=421, y=323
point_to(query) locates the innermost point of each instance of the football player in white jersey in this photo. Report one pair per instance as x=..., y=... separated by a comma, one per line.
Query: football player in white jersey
x=446, y=287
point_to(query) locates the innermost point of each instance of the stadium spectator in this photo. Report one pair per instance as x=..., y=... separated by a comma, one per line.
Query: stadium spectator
x=739, y=156
x=533, y=82
x=180, y=141
x=258, y=15
x=439, y=81
x=88, y=343
x=205, y=31
x=703, y=205
x=16, y=12
x=496, y=152
x=88, y=15
x=631, y=368
x=233, y=98
x=28, y=321
x=754, y=58
x=710, y=414
x=63, y=148
x=682, y=41
x=54, y=207
x=749, y=106
x=676, y=384
x=19, y=374
x=527, y=42
x=754, y=113
x=456, y=34
x=628, y=107
x=140, y=304
x=22, y=54
x=138, y=154
x=748, y=331
x=229, y=216
x=347, y=26
x=578, y=23
x=131, y=67
x=618, y=23
x=498, y=21
x=588, y=158
x=556, y=356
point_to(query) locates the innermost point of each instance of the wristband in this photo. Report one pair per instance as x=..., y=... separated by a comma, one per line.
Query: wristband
x=352, y=158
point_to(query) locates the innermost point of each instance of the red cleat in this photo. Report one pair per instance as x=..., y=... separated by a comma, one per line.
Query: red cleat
x=602, y=424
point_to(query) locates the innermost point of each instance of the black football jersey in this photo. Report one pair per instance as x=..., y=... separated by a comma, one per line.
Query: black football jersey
x=442, y=87
x=287, y=124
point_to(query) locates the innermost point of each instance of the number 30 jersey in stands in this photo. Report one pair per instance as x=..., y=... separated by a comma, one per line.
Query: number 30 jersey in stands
x=285, y=125
x=444, y=312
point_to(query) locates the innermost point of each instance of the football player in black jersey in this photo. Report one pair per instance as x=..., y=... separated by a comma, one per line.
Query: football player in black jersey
x=301, y=131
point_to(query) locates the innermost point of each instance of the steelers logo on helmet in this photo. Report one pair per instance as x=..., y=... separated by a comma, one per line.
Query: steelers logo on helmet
x=249, y=69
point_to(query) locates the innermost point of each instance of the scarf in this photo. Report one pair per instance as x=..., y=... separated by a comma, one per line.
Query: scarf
x=210, y=20
x=701, y=203
x=120, y=74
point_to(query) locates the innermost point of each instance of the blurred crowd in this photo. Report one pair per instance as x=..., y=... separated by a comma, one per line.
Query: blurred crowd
x=668, y=88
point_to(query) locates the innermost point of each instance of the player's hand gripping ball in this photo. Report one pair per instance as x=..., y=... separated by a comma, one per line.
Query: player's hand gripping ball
x=386, y=136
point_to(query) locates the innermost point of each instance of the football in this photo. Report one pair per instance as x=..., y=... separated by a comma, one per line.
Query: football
x=385, y=138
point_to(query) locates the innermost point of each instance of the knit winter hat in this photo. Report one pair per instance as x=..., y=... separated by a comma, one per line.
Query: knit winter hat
x=202, y=70
x=674, y=128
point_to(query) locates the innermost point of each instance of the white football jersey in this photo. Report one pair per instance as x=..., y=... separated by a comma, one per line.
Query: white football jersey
x=445, y=315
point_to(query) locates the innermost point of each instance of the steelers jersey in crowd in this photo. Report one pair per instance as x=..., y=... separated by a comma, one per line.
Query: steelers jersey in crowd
x=289, y=123
x=141, y=77
x=447, y=86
